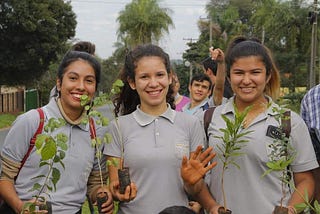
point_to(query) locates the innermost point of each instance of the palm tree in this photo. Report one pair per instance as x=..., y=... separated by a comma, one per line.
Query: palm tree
x=143, y=21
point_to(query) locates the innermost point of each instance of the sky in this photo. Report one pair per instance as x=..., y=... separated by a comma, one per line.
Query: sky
x=96, y=22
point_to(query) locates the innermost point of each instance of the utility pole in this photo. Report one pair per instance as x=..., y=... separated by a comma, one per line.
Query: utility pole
x=313, y=20
x=210, y=28
x=187, y=63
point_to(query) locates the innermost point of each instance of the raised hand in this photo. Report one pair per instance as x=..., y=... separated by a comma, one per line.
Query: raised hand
x=194, y=169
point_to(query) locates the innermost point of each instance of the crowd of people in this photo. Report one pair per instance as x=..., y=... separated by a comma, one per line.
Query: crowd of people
x=175, y=166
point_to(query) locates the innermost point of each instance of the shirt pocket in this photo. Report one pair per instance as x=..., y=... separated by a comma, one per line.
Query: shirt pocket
x=181, y=149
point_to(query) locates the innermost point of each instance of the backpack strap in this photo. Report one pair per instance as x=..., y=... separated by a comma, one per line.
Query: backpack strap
x=286, y=123
x=207, y=119
x=92, y=127
x=32, y=140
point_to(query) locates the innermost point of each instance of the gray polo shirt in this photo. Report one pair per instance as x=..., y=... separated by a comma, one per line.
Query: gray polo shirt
x=79, y=161
x=153, y=150
x=246, y=190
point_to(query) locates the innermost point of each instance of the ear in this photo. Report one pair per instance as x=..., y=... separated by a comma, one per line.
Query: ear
x=132, y=84
x=170, y=78
x=58, y=84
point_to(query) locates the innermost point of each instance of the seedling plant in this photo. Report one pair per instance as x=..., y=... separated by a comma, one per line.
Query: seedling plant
x=282, y=154
x=233, y=142
x=96, y=142
x=51, y=149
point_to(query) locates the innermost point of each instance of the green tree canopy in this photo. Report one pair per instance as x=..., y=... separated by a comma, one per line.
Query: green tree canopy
x=143, y=21
x=32, y=33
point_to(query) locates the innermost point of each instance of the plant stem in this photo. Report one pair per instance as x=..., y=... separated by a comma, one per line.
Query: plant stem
x=45, y=181
x=222, y=187
x=283, y=183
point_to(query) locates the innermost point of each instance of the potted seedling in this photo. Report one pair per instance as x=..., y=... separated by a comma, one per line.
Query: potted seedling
x=96, y=142
x=281, y=155
x=231, y=147
x=51, y=149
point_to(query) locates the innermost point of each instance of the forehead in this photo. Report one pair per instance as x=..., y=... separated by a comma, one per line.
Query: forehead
x=203, y=82
x=150, y=62
x=80, y=67
x=248, y=62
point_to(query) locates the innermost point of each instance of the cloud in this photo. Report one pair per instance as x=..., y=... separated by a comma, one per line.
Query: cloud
x=97, y=23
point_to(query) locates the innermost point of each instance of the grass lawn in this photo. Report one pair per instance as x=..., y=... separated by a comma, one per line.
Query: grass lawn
x=6, y=120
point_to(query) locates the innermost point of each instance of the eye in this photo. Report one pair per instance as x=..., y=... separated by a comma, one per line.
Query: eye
x=143, y=77
x=73, y=78
x=237, y=72
x=161, y=74
x=91, y=80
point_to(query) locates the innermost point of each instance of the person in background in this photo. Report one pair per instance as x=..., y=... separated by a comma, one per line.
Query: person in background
x=310, y=113
x=215, y=69
x=177, y=210
x=78, y=74
x=255, y=81
x=84, y=46
x=179, y=100
x=199, y=88
x=150, y=137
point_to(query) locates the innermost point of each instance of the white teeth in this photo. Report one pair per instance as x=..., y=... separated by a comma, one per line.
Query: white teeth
x=247, y=89
x=77, y=95
x=154, y=92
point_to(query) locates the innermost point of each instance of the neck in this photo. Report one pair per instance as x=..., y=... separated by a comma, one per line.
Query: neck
x=154, y=110
x=72, y=118
x=258, y=105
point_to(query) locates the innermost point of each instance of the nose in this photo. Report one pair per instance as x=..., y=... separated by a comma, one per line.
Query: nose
x=153, y=82
x=81, y=84
x=246, y=78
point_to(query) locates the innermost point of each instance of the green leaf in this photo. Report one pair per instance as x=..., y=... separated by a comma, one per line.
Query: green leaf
x=108, y=138
x=41, y=138
x=55, y=177
x=49, y=149
x=300, y=207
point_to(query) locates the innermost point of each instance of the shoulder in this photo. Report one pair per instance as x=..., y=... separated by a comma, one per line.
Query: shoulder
x=185, y=117
x=30, y=118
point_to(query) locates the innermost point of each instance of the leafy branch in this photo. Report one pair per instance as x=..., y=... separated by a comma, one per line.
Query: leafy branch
x=233, y=142
x=51, y=149
x=282, y=153
x=90, y=107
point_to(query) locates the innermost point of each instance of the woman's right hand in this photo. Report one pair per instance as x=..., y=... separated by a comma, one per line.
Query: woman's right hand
x=129, y=194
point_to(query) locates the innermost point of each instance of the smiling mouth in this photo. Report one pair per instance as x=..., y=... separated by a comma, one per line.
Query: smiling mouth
x=154, y=93
x=246, y=89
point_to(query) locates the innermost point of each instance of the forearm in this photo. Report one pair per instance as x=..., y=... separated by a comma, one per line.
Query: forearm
x=201, y=193
x=304, y=184
x=94, y=183
x=7, y=190
x=8, y=193
x=219, y=84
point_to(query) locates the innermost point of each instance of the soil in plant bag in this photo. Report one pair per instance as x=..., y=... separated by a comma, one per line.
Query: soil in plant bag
x=221, y=210
x=280, y=210
x=102, y=197
x=124, y=179
x=46, y=206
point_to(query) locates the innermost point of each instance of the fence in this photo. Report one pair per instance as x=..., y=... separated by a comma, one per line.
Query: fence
x=12, y=102
x=17, y=99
